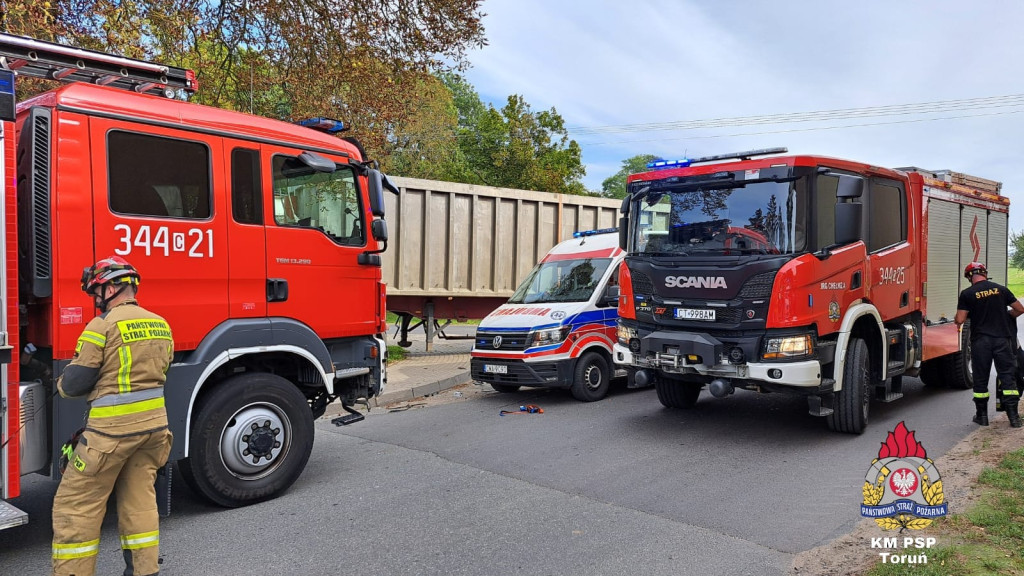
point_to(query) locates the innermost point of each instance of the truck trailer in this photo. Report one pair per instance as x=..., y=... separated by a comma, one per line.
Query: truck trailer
x=801, y=274
x=244, y=230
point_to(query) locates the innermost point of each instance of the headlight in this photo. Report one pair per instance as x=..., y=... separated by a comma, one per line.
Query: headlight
x=625, y=334
x=550, y=336
x=780, y=347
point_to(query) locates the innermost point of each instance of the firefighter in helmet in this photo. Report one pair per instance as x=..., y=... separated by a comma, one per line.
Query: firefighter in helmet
x=984, y=302
x=119, y=366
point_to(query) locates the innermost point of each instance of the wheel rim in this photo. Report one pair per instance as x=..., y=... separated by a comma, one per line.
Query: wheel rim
x=592, y=377
x=254, y=441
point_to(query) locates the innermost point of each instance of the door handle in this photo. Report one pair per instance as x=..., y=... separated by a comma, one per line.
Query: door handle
x=277, y=289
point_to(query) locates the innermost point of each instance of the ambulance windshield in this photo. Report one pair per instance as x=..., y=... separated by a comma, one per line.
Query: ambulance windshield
x=561, y=281
x=728, y=213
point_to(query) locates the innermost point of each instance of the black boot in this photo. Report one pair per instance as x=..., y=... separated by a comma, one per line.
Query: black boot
x=981, y=417
x=1012, y=415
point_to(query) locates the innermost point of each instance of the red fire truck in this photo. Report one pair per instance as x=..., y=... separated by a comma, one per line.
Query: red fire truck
x=258, y=240
x=855, y=288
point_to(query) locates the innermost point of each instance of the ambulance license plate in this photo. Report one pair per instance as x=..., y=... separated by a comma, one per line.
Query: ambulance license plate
x=496, y=368
x=695, y=314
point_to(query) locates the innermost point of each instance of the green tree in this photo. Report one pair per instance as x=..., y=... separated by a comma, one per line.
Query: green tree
x=514, y=147
x=614, y=186
x=1017, y=249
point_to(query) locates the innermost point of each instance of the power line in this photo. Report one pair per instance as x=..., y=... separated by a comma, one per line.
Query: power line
x=702, y=137
x=989, y=102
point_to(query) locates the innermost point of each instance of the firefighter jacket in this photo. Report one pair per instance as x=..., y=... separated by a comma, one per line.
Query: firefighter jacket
x=120, y=365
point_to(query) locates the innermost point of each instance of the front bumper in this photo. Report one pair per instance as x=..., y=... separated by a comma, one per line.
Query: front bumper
x=550, y=374
x=798, y=374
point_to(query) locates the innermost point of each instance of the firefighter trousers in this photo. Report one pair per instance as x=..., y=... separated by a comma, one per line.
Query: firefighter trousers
x=99, y=465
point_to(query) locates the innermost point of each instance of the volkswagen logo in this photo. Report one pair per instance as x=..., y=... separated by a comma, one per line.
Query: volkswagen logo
x=497, y=342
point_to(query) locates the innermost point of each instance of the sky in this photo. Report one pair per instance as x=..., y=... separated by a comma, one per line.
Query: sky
x=609, y=66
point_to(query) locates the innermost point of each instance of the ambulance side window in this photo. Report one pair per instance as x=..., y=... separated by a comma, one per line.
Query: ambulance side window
x=246, y=200
x=157, y=176
x=329, y=202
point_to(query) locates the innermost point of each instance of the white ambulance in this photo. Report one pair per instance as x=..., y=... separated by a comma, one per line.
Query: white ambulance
x=558, y=329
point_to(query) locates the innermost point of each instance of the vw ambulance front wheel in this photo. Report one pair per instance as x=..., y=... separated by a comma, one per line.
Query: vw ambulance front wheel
x=250, y=440
x=592, y=378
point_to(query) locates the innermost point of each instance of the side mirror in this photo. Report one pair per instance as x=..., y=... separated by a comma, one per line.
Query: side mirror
x=375, y=190
x=850, y=187
x=379, y=230
x=318, y=162
x=611, y=296
x=848, y=222
x=623, y=232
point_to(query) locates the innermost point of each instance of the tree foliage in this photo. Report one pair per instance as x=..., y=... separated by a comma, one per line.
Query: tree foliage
x=513, y=147
x=614, y=186
x=289, y=59
x=1017, y=249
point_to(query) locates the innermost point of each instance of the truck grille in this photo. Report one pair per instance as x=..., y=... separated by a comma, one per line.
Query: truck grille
x=758, y=286
x=641, y=283
x=507, y=340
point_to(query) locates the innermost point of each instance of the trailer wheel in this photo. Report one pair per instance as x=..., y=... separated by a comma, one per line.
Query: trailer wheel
x=592, y=378
x=958, y=364
x=852, y=402
x=505, y=388
x=249, y=441
x=677, y=393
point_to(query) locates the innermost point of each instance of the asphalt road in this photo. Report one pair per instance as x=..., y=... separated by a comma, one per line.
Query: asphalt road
x=621, y=486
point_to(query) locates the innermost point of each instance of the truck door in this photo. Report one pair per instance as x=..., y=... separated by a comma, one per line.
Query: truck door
x=892, y=276
x=159, y=203
x=316, y=228
x=247, y=251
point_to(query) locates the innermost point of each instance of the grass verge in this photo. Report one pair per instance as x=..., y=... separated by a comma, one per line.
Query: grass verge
x=987, y=539
x=1015, y=281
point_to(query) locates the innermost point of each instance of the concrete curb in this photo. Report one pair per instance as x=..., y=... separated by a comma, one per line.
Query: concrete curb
x=421, y=390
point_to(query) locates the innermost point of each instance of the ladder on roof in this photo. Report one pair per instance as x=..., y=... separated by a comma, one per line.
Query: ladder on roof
x=40, y=59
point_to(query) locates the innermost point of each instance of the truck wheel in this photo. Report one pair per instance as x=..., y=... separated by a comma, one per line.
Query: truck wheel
x=677, y=393
x=505, y=388
x=592, y=378
x=250, y=440
x=851, y=403
x=958, y=364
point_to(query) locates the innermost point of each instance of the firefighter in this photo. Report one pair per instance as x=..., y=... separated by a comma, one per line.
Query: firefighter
x=120, y=366
x=984, y=302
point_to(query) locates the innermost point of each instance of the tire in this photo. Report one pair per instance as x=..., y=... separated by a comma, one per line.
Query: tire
x=220, y=464
x=505, y=388
x=852, y=402
x=677, y=393
x=931, y=373
x=957, y=366
x=592, y=378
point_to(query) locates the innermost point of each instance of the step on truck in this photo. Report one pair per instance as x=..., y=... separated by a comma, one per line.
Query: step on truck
x=259, y=241
x=801, y=274
x=558, y=329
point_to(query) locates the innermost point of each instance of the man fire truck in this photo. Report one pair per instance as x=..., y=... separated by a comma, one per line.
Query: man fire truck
x=855, y=288
x=244, y=228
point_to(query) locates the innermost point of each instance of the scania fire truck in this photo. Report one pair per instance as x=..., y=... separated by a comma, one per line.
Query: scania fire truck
x=809, y=275
x=258, y=240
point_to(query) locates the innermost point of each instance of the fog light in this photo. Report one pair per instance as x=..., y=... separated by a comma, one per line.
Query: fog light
x=775, y=373
x=736, y=355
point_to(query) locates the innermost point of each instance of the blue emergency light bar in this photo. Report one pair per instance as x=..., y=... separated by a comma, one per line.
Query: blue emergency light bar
x=328, y=125
x=662, y=164
x=594, y=232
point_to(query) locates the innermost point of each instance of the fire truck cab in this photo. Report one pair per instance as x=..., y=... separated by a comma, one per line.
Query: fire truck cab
x=809, y=275
x=258, y=240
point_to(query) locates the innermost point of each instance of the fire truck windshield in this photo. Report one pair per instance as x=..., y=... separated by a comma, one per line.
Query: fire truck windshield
x=729, y=213
x=561, y=281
